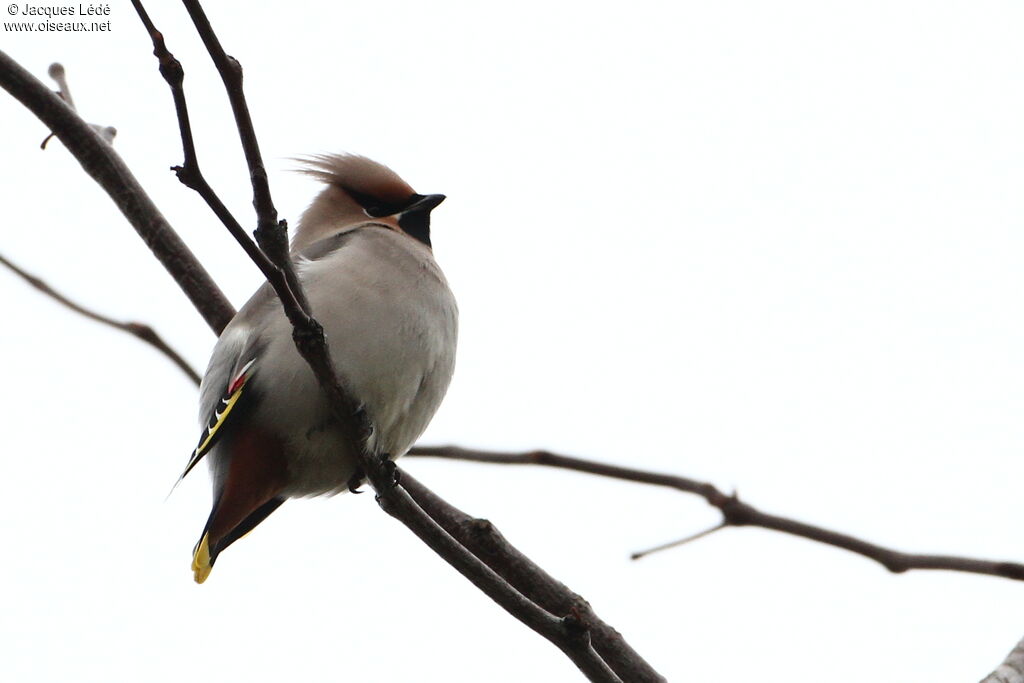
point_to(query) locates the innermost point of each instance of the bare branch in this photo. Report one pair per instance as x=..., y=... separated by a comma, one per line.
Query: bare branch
x=273, y=257
x=484, y=540
x=735, y=512
x=1012, y=668
x=571, y=634
x=189, y=173
x=139, y=330
x=107, y=168
x=271, y=234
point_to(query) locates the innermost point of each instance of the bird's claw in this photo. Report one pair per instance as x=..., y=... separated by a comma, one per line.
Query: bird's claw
x=355, y=481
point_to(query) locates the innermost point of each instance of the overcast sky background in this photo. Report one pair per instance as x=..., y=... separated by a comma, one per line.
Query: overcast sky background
x=777, y=246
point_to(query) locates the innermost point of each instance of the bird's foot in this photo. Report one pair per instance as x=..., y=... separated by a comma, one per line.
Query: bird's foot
x=391, y=471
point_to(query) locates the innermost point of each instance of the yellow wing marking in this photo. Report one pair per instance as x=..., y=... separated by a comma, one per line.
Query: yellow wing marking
x=216, y=422
x=221, y=419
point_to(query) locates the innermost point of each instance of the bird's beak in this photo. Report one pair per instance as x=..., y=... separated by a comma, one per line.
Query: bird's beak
x=425, y=204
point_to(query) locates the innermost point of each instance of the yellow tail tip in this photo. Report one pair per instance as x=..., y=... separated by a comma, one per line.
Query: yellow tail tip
x=201, y=566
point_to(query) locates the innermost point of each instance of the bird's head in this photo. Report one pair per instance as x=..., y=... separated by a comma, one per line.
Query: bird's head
x=357, y=189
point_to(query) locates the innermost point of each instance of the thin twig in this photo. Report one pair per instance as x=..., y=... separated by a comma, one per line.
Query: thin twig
x=107, y=168
x=139, y=330
x=271, y=234
x=735, y=512
x=189, y=173
x=675, y=544
x=272, y=240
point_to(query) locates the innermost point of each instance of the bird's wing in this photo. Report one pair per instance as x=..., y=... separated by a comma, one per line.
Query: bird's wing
x=220, y=413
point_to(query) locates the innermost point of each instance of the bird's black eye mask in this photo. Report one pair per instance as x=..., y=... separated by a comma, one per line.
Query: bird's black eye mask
x=413, y=214
x=373, y=207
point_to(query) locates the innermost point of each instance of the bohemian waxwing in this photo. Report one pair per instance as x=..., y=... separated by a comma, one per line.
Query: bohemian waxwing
x=362, y=252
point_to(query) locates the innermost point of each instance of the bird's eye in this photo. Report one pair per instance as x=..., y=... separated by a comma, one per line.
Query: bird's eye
x=378, y=211
x=371, y=206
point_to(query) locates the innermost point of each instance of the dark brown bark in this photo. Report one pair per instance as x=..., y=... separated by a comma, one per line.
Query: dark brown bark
x=734, y=511
x=106, y=167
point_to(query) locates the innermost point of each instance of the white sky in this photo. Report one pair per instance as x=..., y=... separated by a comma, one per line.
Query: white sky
x=774, y=245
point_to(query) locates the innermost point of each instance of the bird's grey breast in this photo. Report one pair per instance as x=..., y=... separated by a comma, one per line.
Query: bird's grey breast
x=391, y=326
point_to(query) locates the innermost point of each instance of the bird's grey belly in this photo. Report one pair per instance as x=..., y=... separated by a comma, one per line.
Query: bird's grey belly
x=321, y=460
x=391, y=332
x=322, y=463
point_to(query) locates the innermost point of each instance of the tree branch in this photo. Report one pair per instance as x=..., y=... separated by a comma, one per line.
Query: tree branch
x=1012, y=668
x=107, y=168
x=484, y=540
x=139, y=330
x=570, y=634
x=272, y=238
x=271, y=234
x=734, y=511
x=189, y=173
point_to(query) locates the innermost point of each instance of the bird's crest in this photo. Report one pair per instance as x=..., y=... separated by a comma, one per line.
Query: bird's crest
x=354, y=183
x=359, y=176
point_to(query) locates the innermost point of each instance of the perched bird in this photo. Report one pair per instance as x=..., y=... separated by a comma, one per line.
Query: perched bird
x=362, y=253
